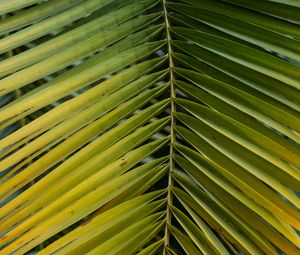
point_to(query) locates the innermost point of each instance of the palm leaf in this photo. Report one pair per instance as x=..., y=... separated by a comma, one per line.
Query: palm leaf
x=149, y=127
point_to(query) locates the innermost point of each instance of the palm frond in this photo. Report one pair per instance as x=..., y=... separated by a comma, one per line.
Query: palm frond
x=150, y=127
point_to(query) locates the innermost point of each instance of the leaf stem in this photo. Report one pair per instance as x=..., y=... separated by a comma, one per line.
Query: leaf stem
x=173, y=109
